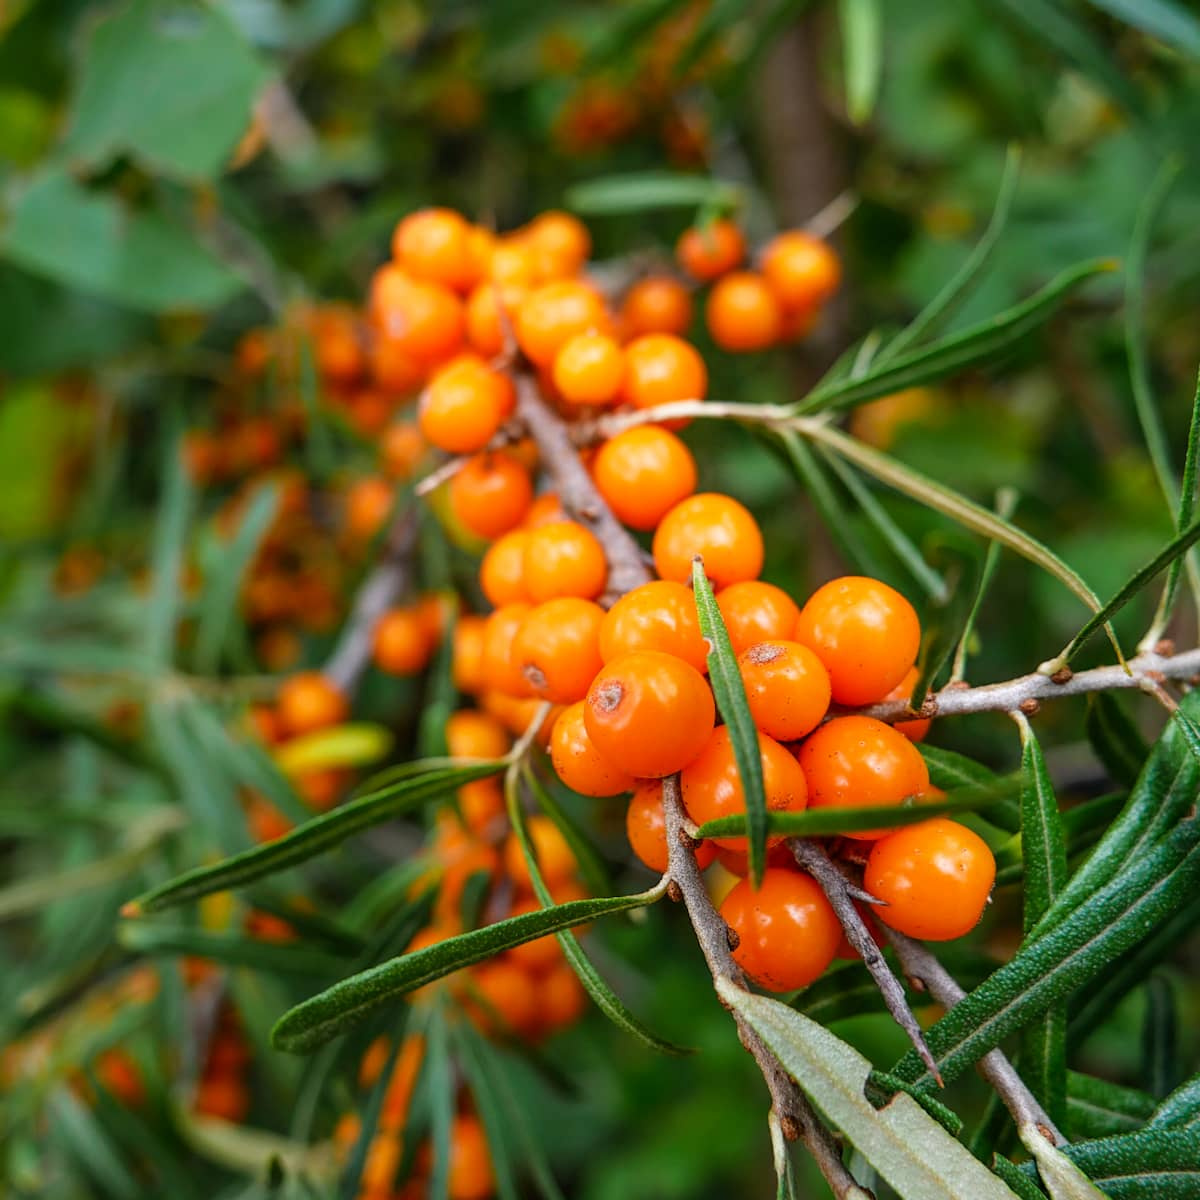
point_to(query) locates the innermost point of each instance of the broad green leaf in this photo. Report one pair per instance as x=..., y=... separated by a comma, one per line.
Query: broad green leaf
x=1117, y=741
x=1099, y=1107
x=170, y=531
x=218, y=602
x=316, y=836
x=908, y=1148
x=172, y=84
x=953, y=505
x=1062, y=1179
x=1166, y=20
x=91, y=240
x=1181, y=1109
x=954, y=353
x=232, y=949
x=324, y=1016
x=1155, y=1164
x=644, y=190
x=862, y=53
x=730, y=694
x=355, y=744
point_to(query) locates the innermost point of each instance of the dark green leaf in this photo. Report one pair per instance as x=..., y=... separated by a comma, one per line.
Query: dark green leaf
x=862, y=52
x=316, y=836
x=1043, y=845
x=1187, y=510
x=471, y=1051
x=881, y=1087
x=1083, y=826
x=87, y=1143
x=644, y=190
x=1160, y=1036
x=1099, y=1107
x=1181, y=1109
x=440, y=1091
x=1156, y=1164
x=232, y=949
x=1116, y=739
x=1018, y=1180
x=730, y=694
x=1163, y=19
x=324, y=1016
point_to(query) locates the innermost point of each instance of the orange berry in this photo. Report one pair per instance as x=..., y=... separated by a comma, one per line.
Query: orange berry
x=657, y=304
x=501, y=670
x=506, y=998
x=564, y=559
x=382, y=1163
x=265, y=822
x=858, y=762
x=705, y=252
x=550, y=316
x=467, y=661
x=661, y=368
x=475, y=858
x=337, y=348
x=308, y=701
x=660, y=615
x=545, y=510
x=502, y=572
x=787, y=688
x=402, y=1083
x=578, y=763
x=487, y=331
x=802, y=270
x=401, y=645
x=464, y=405
x=643, y=473
x=542, y=954
x=649, y=713
x=517, y=713
x=491, y=494
x=787, y=931
x=557, y=648
x=321, y=790
x=119, y=1075
x=481, y=806
x=915, y=731
x=369, y=503
x=435, y=244
x=554, y=856
x=470, y=1176
x=222, y=1096
x=754, y=611
x=394, y=369
x=560, y=242
x=716, y=527
x=474, y=734
x=400, y=450
x=561, y=998
x=646, y=828
x=712, y=787
x=742, y=313
x=934, y=877
x=588, y=369
x=514, y=262
x=423, y=320
x=866, y=633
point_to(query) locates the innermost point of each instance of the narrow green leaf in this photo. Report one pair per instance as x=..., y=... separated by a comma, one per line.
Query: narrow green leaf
x=86, y=1142
x=1099, y=1107
x=315, y=836
x=1083, y=826
x=862, y=52
x=440, y=1092
x=974, y=345
x=730, y=694
x=355, y=744
x=167, y=560
x=1005, y=506
x=1043, y=844
x=591, y=865
x=1062, y=1179
x=471, y=1050
x=1017, y=1179
x=1181, y=1109
x=324, y=1016
x=641, y=191
x=348, y=1186
x=1163, y=19
x=1160, y=1036
x=953, y=505
x=232, y=949
x=882, y=1087
x=1187, y=510
x=1156, y=1164
x=945, y=622
x=1117, y=741
x=902, y=1142
x=1042, y=1059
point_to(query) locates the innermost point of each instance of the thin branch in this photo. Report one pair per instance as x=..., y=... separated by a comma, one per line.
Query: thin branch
x=379, y=591
x=813, y=858
x=923, y=968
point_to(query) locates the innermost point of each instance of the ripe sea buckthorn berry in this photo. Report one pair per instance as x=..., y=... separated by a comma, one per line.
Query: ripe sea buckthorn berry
x=934, y=877
x=858, y=762
x=787, y=931
x=564, y=559
x=474, y=734
x=464, y=405
x=715, y=526
x=502, y=671
x=481, y=805
x=504, y=998
x=542, y=954
x=578, y=763
x=915, y=731
x=661, y=368
x=557, y=648
x=381, y=1164
x=401, y=450
x=546, y=509
x=742, y=313
x=643, y=473
x=554, y=856
x=514, y=262
x=646, y=828
x=435, y=244
x=467, y=659
x=560, y=242
x=561, y=998
x=865, y=633
x=553, y=314
x=470, y=1175
x=502, y=572
x=754, y=611
x=517, y=713
x=660, y=615
x=705, y=252
x=401, y=642
x=658, y=304
x=224, y=1097
x=491, y=494
x=787, y=688
x=394, y=369
x=486, y=328
x=336, y=344
x=649, y=713
x=712, y=787
x=802, y=270
x=423, y=320
x=308, y=702
x=368, y=504
x=266, y=823
x=588, y=369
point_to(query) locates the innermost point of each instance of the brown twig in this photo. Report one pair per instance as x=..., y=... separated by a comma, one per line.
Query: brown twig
x=813, y=858
x=923, y=968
